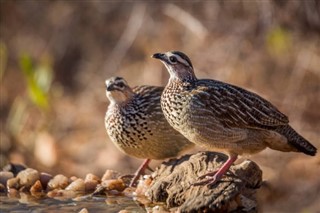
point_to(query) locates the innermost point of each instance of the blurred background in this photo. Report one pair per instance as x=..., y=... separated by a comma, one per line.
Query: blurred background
x=56, y=55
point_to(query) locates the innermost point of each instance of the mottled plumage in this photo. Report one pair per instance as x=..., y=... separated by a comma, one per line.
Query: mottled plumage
x=224, y=117
x=136, y=125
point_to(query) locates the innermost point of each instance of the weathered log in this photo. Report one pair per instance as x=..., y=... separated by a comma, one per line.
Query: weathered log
x=235, y=192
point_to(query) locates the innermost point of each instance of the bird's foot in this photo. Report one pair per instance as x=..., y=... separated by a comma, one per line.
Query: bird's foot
x=208, y=175
x=211, y=179
x=139, y=172
x=126, y=176
x=215, y=176
x=134, y=180
x=209, y=182
x=149, y=168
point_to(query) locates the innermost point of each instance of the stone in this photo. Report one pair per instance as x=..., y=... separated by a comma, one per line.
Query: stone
x=173, y=184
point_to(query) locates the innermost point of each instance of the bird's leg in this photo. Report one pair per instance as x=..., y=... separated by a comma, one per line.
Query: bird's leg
x=213, y=177
x=150, y=169
x=140, y=171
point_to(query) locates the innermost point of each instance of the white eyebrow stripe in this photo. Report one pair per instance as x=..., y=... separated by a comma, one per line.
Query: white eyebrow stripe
x=181, y=60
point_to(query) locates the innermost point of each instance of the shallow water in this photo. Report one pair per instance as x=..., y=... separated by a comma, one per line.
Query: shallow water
x=108, y=204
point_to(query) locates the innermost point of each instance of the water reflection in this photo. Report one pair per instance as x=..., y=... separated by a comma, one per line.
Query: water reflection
x=27, y=203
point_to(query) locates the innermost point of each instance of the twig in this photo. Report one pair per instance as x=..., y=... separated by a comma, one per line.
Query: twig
x=186, y=19
x=127, y=38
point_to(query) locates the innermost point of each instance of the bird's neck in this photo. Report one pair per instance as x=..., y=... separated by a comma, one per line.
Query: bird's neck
x=183, y=81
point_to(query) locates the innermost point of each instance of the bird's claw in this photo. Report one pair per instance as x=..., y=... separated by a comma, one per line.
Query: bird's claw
x=208, y=175
x=209, y=181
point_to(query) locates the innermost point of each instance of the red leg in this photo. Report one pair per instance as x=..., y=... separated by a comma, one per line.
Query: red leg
x=213, y=177
x=140, y=171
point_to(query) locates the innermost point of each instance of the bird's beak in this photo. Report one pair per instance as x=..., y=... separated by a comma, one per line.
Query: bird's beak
x=160, y=56
x=109, y=87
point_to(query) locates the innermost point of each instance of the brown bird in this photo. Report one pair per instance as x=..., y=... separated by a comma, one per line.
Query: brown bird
x=136, y=125
x=223, y=117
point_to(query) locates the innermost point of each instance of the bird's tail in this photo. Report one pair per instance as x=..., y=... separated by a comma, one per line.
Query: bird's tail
x=296, y=140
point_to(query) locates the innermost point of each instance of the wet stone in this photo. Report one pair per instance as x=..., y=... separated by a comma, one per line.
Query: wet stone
x=110, y=174
x=58, y=182
x=115, y=184
x=36, y=187
x=5, y=176
x=2, y=188
x=13, y=183
x=77, y=186
x=14, y=168
x=28, y=177
x=44, y=179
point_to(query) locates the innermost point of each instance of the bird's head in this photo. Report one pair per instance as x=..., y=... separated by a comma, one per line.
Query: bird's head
x=118, y=90
x=178, y=65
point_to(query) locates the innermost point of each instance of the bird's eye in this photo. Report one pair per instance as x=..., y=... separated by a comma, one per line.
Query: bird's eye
x=121, y=84
x=173, y=59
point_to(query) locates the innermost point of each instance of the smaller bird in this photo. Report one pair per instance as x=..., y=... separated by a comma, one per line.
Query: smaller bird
x=222, y=117
x=136, y=125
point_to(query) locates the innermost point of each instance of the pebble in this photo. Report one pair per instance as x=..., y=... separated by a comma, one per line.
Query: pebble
x=91, y=181
x=36, y=187
x=110, y=174
x=14, y=168
x=84, y=210
x=77, y=186
x=115, y=184
x=90, y=185
x=143, y=185
x=44, y=179
x=13, y=193
x=5, y=176
x=91, y=176
x=34, y=184
x=124, y=211
x=73, y=178
x=2, y=188
x=58, y=182
x=61, y=194
x=28, y=177
x=13, y=183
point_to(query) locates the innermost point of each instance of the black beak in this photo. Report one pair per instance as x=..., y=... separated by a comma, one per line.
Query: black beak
x=109, y=87
x=160, y=56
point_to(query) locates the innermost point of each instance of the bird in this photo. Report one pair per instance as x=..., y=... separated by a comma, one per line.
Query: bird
x=223, y=117
x=136, y=125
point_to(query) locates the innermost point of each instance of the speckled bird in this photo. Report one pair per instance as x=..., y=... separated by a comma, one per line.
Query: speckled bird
x=136, y=125
x=222, y=117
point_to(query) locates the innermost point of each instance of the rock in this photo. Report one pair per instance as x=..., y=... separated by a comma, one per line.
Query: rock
x=115, y=184
x=5, y=176
x=73, y=178
x=143, y=185
x=61, y=194
x=84, y=210
x=28, y=177
x=91, y=176
x=2, y=188
x=58, y=182
x=36, y=188
x=44, y=179
x=77, y=186
x=13, y=193
x=13, y=183
x=91, y=181
x=14, y=168
x=172, y=184
x=110, y=174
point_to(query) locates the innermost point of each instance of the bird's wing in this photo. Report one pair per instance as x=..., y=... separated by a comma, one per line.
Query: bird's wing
x=237, y=107
x=148, y=101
